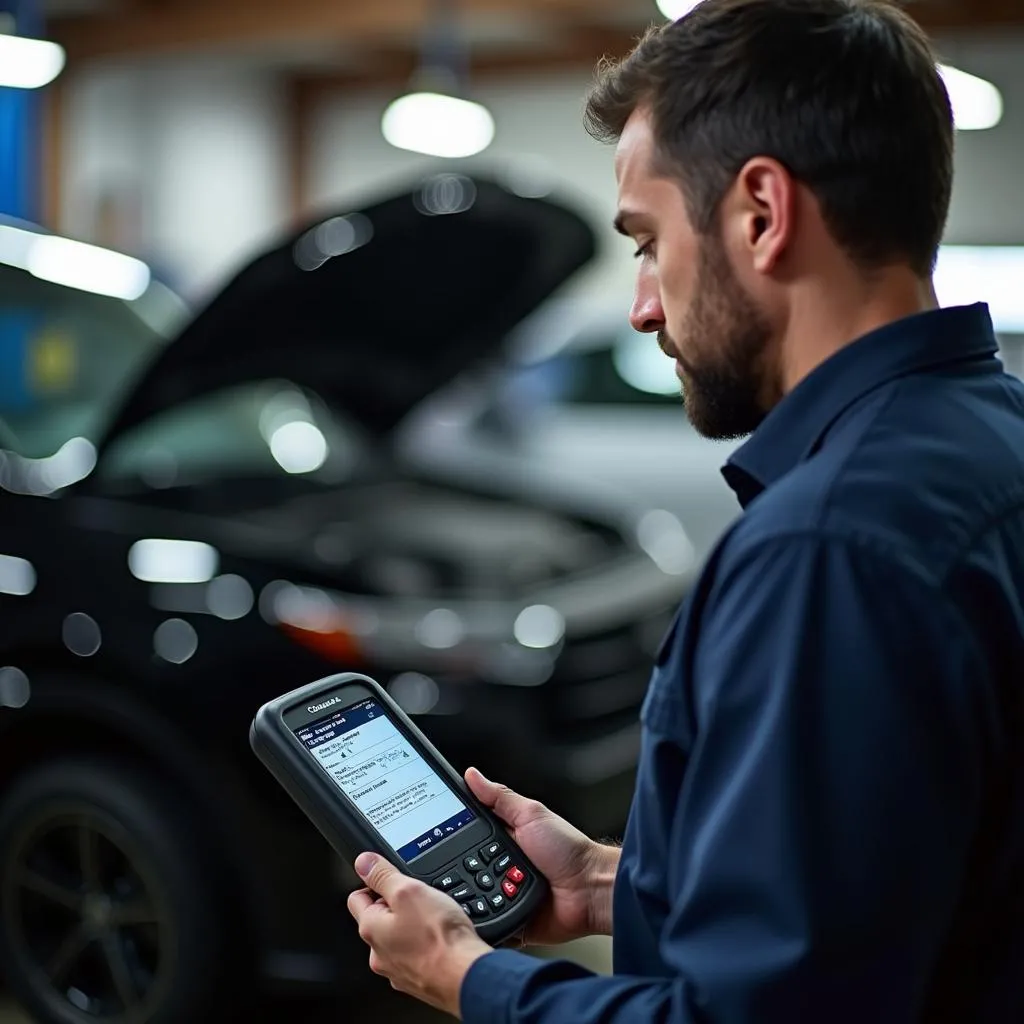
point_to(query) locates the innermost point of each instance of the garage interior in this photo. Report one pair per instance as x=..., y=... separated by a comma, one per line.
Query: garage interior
x=194, y=136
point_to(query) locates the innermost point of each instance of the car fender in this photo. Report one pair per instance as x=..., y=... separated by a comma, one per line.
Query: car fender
x=74, y=713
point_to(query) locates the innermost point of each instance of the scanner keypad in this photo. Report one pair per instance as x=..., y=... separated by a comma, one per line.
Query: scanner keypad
x=489, y=890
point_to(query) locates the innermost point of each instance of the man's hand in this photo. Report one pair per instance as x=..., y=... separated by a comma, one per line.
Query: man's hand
x=419, y=939
x=579, y=871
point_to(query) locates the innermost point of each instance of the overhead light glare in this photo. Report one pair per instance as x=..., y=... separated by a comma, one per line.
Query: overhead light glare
x=29, y=63
x=676, y=9
x=299, y=447
x=977, y=103
x=87, y=267
x=156, y=560
x=643, y=366
x=438, y=125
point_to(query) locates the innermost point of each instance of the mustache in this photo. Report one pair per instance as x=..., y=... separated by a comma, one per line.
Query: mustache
x=668, y=346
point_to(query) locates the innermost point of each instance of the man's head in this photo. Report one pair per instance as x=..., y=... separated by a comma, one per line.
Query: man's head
x=769, y=150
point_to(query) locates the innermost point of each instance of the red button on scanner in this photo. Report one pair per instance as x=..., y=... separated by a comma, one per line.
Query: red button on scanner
x=515, y=875
x=508, y=889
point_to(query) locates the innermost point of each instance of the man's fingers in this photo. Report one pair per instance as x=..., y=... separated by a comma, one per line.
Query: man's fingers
x=506, y=804
x=359, y=902
x=379, y=875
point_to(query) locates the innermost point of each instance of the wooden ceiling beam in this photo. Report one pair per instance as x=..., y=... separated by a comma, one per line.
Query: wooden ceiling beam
x=188, y=26
x=582, y=47
x=386, y=67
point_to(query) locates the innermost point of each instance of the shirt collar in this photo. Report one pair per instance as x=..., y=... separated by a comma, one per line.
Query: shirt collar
x=793, y=430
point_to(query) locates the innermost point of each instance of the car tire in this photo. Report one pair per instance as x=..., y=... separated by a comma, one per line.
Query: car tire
x=111, y=906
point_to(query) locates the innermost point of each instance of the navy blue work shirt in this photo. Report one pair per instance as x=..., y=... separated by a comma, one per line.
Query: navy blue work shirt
x=828, y=824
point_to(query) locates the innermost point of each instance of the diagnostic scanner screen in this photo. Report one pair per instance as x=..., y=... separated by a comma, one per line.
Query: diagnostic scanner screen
x=387, y=779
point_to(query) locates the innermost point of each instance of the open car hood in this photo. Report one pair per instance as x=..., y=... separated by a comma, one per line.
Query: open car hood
x=378, y=308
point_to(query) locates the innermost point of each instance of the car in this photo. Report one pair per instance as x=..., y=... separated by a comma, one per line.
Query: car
x=582, y=396
x=202, y=512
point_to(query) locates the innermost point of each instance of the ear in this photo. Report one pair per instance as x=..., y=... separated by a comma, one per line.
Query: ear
x=765, y=202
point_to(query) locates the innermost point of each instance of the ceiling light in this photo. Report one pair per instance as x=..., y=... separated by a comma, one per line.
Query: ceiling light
x=87, y=267
x=29, y=63
x=676, y=9
x=438, y=125
x=977, y=104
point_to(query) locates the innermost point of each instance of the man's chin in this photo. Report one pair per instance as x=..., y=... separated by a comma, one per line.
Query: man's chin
x=716, y=428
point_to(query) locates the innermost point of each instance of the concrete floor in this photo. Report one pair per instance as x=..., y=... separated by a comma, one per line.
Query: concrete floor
x=395, y=1009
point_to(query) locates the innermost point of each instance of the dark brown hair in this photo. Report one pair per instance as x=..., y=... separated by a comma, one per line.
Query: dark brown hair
x=844, y=93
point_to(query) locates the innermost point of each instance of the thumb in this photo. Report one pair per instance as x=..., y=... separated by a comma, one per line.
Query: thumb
x=379, y=875
x=506, y=804
x=483, y=789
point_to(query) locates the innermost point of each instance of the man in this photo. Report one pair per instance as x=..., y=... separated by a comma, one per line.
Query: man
x=828, y=823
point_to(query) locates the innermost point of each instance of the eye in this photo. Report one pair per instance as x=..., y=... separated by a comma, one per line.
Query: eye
x=643, y=251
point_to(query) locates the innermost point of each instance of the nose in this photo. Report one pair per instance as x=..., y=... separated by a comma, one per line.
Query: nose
x=646, y=314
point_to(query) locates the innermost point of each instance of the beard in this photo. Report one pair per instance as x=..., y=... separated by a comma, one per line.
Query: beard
x=724, y=388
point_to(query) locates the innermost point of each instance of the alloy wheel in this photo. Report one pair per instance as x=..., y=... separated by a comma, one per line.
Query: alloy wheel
x=88, y=916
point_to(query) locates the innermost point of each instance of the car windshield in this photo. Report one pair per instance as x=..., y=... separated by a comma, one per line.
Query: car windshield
x=67, y=356
x=600, y=368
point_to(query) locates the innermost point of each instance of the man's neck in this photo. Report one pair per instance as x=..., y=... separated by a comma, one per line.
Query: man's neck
x=821, y=323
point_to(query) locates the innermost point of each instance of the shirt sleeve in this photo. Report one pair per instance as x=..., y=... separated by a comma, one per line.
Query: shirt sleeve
x=820, y=838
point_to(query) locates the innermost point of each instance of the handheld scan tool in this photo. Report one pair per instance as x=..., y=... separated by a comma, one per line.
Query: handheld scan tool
x=369, y=779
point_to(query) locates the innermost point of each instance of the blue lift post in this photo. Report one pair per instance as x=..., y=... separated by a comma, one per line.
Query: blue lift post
x=20, y=126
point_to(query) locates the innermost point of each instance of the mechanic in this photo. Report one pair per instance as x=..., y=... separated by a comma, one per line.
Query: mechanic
x=828, y=823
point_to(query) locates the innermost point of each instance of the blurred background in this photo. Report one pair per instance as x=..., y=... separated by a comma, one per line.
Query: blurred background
x=314, y=358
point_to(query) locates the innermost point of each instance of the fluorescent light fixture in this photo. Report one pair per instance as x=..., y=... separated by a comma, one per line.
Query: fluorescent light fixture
x=29, y=63
x=87, y=267
x=299, y=447
x=966, y=274
x=154, y=560
x=438, y=125
x=977, y=103
x=676, y=9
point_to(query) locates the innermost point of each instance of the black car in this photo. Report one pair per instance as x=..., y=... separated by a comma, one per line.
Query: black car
x=195, y=526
